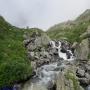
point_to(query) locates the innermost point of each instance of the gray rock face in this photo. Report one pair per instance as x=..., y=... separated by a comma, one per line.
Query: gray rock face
x=83, y=74
x=33, y=65
x=87, y=75
x=65, y=82
x=60, y=82
x=87, y=67
x=74, y=45
x=84, y=81
x=36, y=45
x=26, y=42
x=80, y=72
x=82, y=50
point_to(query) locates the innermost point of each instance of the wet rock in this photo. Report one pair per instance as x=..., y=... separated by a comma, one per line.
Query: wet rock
x=17, y=87
x=87, y=75
x=54, y=51
x=88, y=87
x=68, y=55
x=87, y=67
x=84, y=76
x=80, y=73
x=31, y=55
x=73, y=47
x=33, y=65
x=59, y=63
x=36, y=57
x=45, y=54
x=63, y=50
x=84, y=81
x=26, y=42
x=31, y=47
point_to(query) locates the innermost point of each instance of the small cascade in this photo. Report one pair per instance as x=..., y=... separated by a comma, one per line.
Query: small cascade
x=63, y=52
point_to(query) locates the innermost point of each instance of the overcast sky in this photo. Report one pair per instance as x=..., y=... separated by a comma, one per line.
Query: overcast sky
x=41, y=13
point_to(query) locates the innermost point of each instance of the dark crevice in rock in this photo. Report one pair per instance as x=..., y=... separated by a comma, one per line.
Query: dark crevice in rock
x=53, y=88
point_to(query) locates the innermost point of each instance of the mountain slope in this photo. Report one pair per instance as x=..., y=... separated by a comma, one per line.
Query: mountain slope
x=84, y=17
x=71, y=30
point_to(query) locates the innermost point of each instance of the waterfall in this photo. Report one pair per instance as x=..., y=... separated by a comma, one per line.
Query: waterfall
x=61, y=54
x=52, y=43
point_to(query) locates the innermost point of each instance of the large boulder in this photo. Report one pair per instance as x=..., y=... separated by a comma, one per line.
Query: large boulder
x=84, y=81
x=60, y=83
x=87, y=67
x=82, y=50
x=80, y=72
x=68, y=80
x=42, y=40
x=83, y=74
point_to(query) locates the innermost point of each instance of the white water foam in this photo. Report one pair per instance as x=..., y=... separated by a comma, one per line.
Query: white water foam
x=61, y=54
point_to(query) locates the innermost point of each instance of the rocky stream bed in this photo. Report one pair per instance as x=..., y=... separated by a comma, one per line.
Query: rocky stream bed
x=56, y=65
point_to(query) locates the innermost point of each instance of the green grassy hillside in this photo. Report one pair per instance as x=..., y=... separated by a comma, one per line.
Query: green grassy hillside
x=71, y=30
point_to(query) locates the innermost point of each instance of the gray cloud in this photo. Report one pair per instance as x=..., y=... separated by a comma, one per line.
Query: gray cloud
x=41, y=13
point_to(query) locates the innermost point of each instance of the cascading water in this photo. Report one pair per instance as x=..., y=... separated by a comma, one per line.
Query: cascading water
x=46, y=75
x=61, y=54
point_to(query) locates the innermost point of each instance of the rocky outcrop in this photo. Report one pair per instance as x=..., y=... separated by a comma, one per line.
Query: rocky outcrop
x=36, y=45
x=82, y=53
x=68, y=80
x=83, y=74
x=60, y=82
x=82, y=50
x=80, y=72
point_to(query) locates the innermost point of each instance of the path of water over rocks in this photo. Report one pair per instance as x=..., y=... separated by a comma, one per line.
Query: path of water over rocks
x=46, y=75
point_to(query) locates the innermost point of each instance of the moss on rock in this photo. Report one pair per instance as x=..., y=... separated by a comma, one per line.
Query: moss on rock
x=72, y=77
